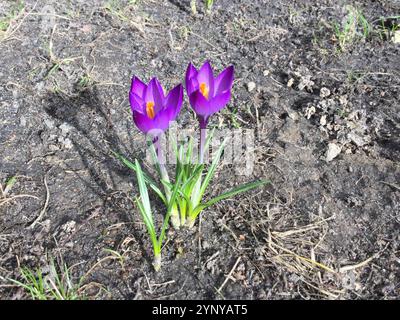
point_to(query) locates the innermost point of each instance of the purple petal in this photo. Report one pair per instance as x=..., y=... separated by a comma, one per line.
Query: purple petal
x=174, y=102
x=191, y=79
x=199, y=103
x=138, y=87
x=192, y=85
x=154, y=93
x=162, y=119
x=191, y=72
x=220, y=101
x=224, y=81
x=205, y=75
x=136, y=102
x=142, y=121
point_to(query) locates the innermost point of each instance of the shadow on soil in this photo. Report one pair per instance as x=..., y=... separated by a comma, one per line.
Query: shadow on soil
x=94, y=141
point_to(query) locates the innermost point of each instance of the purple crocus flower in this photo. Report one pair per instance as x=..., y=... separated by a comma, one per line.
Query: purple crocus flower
x=208, y=95
x=152, y=110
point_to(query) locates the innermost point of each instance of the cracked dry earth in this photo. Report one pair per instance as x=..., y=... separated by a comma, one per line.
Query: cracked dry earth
x=326, y=125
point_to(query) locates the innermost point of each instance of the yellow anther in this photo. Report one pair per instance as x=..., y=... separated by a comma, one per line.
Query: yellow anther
x=204, y=90
x=150, y=109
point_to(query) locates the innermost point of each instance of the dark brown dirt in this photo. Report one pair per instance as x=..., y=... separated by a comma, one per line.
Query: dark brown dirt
x=321, y=230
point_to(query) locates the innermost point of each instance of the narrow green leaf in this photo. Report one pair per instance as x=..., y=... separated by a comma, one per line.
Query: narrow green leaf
x=211, y=170
x=147, y=178
x=170, y=205
x=150, y=227
x=229, y=194
x=144, y=202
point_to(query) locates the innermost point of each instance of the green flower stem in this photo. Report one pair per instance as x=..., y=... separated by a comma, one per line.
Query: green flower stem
x=175, y=221
x=195, y=198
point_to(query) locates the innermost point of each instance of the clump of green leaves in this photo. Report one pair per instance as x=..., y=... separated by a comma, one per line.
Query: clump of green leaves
x=195, y=181
x=185, y=193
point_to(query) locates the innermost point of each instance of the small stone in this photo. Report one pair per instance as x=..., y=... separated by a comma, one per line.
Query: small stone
x=266, y=73
x=396, y=37
x=357, y=139
x=22, y=121
x=251, y=86
x=205, y=245
x=67, y=143
x=324, y=93
x=309, y=112
x=333, y=151
x=343, y=100
x=53, y=147
x=49, y=123
x=322, y=121
x=348, y=151
x=69, y=227
x=293, y=115
x=65, y=128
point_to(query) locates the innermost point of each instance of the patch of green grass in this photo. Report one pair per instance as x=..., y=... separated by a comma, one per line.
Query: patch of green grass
x=355, y=25
x=387, y=26
x=234, y=121
x=116, y=9
x=120, y=257
x=342, y=113
x=57, y=285
x=85, y=81
x=15, y=11
x=56, y=63
x=353, y=76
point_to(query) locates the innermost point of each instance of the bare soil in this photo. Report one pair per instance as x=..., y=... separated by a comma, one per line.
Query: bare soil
x=321, y=229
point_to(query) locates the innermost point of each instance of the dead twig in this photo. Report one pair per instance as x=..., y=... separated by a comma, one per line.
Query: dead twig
x=363, y=263
x=18, y=196
x=46, y=203
x=229, y=276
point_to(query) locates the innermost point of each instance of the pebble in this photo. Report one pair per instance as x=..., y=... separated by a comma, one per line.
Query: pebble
x=396, y=37
x=251, y=86
x=324, y=93
x=49, y=123
x=333, y=151
x=22, y=121
x=357, y=139
x=293, y=115
x=322, y=121
x=205, y=245
x=65, y=128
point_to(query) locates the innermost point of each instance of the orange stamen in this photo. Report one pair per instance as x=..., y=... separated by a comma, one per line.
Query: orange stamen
x=150, y=109
x=204, y=90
